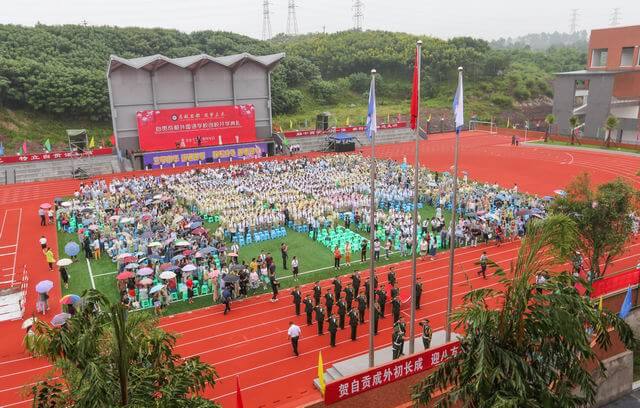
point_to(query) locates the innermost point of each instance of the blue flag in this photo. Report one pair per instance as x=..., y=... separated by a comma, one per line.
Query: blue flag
x=626, y=304
x=372, y=124
x=458, y=104
x=1, y=149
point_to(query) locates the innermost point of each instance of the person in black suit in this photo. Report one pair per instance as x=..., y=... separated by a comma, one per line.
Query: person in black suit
x=395, y=309
x=337, y=287
x=329, y=300
x=317, y=293
x=418, y=293
x=333, y=329
x=297, y=299
x=342, y=312
x=382, y=300
x=355, y=280
x=362, y=306
x=320, y=319
x=308, y=309
x=348, y=295
x=353, y=322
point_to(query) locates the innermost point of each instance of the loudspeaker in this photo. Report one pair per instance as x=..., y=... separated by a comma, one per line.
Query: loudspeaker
x=322, y=121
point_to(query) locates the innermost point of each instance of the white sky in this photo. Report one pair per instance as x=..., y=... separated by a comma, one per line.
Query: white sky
x=489, y=19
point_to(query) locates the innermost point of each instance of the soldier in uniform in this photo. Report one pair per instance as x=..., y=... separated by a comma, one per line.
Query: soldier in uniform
x=367, y=288
x=342, y=312
x=418, y=293
x=348, y=294
x=395, y=291
x=382, y=300
x=337, y=287
x=353, y=322
x=391, y=276
x=362, y=306
x=376, y=317
x=355, y=280
x=308, y=309
x=426, y=333
x=320, y=319
x=297, y=299
x=317, y=293
x=395, y=309
x=329, y=301
x=333, y=329
x=397, y=340
x=401, y=326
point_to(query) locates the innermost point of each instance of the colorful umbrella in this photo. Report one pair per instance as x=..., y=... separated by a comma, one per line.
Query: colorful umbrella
x=64, y=262
x=72, y=249
x=44, y=286
x=69, y=299
x=145, y=272
x=167, y=275
x=156, y=288
x=146, y=281
x=45, y=206
x=60, y=319
x=125, y=275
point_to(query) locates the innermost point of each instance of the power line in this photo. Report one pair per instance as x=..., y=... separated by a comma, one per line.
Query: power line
x=358, y=14
x=574, y=21
x=292, y=21
x=615, y=17
x=266, y=20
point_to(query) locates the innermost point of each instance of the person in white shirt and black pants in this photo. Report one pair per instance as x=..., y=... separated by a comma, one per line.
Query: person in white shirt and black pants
x=294, y=334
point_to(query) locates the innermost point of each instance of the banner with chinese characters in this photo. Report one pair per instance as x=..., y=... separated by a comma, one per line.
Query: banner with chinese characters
x=27, y=158
x=215, y=154
x=351, y=386
x=193, y=127
x=348, y=129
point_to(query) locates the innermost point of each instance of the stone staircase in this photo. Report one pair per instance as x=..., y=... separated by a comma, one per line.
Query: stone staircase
x=57, y=169
x=387, y=136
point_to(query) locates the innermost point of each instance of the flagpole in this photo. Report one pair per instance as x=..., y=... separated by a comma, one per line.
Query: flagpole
x=416, y=171
x=372, y=226
x=452, y=241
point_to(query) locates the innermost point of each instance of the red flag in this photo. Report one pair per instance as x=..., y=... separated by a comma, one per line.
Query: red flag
x=414, y=95
x=24, y=147
x=238, y=394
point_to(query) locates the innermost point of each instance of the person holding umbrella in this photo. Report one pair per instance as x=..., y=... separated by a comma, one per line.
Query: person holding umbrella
x=43, y=288
x=274, y=286
x=64, y=276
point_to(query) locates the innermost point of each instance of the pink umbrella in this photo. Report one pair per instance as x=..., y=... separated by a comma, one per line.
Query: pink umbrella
x=146, y=281
x=199, y=231
x=45, y=206
x=125, y=275
x=187, y=252
x=145, y=272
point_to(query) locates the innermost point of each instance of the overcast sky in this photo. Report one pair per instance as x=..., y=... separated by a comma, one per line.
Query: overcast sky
x=489, y=19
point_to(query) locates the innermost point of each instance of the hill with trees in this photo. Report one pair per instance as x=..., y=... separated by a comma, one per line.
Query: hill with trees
x=52, y=77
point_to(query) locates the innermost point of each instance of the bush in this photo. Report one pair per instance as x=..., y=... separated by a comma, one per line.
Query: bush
x=325, y=92
x=502, y=101
x=359, y=82
x=521, y=93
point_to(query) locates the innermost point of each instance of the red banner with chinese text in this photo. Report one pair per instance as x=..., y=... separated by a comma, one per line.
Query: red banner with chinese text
x=27, y=158
x=351, y=386
x=192, y=127
x=348, y=129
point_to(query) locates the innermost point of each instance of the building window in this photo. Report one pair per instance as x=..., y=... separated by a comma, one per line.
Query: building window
x=626, y=58
x=599, y=57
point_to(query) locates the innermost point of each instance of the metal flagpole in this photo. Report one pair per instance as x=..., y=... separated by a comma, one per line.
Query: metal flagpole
x=416, y=172
x=452, y=241
x=372, y=225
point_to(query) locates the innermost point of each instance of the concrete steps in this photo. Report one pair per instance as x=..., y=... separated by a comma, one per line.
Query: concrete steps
x=319, y=143
x=56, y=169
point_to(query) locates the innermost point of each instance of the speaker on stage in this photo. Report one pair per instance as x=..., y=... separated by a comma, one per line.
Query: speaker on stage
x=322, y=121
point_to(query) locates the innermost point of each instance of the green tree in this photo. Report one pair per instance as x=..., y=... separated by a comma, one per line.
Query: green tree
x=550, y=119
x=611, y=124
x=602, y=215
x=105, y=357
x=523, y=347
x=573, y=122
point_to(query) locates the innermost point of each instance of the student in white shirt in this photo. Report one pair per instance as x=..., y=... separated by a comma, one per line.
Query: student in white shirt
x=294, y=334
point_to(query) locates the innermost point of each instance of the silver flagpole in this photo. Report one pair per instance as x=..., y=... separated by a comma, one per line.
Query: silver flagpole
x=372, y=237
x=452, y=241
x=416, y=171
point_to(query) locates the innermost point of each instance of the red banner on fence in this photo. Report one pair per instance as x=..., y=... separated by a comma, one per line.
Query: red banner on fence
x=348, y=387
x=179, y=128
x=53, y=156
x=616, y=282
x=348, y=129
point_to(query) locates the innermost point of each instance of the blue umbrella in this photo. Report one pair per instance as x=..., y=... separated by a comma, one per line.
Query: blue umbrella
x=72, y=249
x=156, y=288
x=207, y=250
x=177, y=258
x=44, y=286
x=155, y=257
x=195, y=225
x=547, y=198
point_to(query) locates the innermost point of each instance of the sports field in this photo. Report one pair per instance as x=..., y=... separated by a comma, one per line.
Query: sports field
x=251, y=342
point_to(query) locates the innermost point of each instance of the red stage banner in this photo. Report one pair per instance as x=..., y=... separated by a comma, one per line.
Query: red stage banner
x=53, y=156
x=179, y=128
x=349, y=129
x=613, y=283
x=348, y=387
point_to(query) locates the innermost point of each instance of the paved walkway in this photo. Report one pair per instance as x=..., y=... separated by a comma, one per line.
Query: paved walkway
x=630, y=401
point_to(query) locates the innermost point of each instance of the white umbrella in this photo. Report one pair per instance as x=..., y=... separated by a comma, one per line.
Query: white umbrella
x=157, y=196
x=114, y=218
x=189, y=268
x=178, y=218
x=155, y=244
x=29, y=322
x=182, y=243
x=64, y=262
x=167, y=275
x=66, y=204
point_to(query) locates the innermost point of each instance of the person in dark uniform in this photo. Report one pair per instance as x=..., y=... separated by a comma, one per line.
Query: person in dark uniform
x=397, y=340
x=337, y=287
x=402, y=327
x=483, y=265
x=362, y=306
x=329, y=300
x=320, y=319
x=317, y=293
x=418, y=293
x=375, y=282
x=426, y=333
x=226, y=299
x=382, y=300
x=367, y=288
x=391, y=276
x=353, y=322
x=376, y=317
x=348, y=295
x=308, y=309
x=355, y=280
x=395, y=309
x=297, y=299
x=342, y=312
x=333, y=329
x=395, y=291
x=363, y=250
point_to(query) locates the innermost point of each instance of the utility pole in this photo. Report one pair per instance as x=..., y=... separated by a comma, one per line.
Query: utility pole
x=615, y=17
x=574, y=21
x=358, y=15
x=292, y=21
x=266, y=21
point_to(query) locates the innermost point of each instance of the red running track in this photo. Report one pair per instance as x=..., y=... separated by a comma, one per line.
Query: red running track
x=251, y=342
